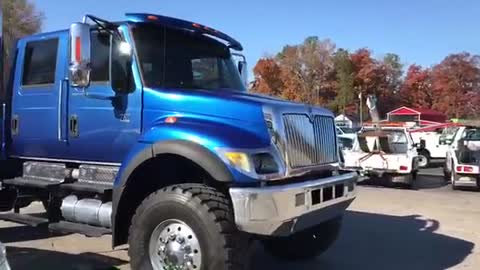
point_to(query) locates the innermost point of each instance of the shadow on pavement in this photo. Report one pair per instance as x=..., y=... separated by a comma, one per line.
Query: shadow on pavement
x=430, y=182
x=31, y=258
x=25, y=233
x=367, y=241
x=378, y=242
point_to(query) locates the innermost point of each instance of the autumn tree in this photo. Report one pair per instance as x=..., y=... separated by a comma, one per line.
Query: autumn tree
x=268, y=77
x=370, y=78
x=308, y=69
x=416, y=90
x=303, y=72
x=455, y=85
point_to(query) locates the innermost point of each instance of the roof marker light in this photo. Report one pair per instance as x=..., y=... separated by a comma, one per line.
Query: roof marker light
x=151, y=17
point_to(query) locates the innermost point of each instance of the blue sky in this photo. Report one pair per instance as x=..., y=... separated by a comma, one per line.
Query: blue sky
x=421, y=31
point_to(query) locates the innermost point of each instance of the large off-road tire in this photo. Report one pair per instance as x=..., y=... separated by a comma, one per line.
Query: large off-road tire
x=307, y=244
x=200, y=217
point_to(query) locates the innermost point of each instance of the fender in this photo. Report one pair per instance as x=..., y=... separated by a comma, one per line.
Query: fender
x=143, y=152
x=195, y=139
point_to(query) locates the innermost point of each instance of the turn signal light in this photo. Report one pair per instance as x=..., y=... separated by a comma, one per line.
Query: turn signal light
x=170, y=120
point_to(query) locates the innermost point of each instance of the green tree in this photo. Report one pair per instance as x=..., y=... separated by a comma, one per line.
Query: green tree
x=394, y=72
x=345, y=79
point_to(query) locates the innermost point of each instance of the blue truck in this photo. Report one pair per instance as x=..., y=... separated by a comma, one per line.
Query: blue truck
x=144, y=129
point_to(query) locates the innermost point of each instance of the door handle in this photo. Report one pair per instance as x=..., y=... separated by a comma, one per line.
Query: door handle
x=14, y=127
x=73, y=124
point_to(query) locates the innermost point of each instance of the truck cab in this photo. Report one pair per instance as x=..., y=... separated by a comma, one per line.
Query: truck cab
x=432, y=142
x=144, y=129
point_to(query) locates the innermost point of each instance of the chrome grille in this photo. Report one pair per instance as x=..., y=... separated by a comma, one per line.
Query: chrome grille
x=309, y=142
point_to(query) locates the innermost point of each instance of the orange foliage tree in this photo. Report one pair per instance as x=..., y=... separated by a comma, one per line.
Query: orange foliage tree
x=314, y=72
x=455, y=85
x=416, y=90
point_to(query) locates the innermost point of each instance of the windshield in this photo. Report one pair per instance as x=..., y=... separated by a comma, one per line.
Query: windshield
x=179, y=59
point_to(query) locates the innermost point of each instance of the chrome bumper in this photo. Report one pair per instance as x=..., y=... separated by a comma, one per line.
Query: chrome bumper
x=286, y=209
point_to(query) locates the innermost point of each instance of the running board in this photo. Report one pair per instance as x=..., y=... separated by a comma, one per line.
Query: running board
x=85, y=229
x=24, y=219
x=31, y=182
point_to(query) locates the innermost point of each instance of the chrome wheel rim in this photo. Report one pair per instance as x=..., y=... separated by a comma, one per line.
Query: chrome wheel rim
x=174, y=246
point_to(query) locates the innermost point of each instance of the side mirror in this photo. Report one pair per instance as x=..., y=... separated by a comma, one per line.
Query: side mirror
x=242, y=69
x=80, y=59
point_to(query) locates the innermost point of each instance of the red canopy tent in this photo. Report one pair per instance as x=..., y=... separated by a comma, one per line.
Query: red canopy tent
x=422, y=117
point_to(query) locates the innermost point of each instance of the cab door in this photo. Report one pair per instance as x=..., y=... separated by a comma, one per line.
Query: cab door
x=38, y=126
x=103, y=125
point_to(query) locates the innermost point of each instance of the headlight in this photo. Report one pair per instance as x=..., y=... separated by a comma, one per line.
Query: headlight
x=239, y=160
x=264, y=163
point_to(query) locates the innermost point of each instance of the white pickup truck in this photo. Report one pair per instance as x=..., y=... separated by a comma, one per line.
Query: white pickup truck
x=462, y=163
x=387, y=154
x=432, y=141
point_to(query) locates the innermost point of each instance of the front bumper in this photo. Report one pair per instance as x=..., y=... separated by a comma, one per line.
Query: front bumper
x=286, y=209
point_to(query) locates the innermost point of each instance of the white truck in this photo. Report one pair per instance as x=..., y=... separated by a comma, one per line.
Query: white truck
x=432, y=142
x=462, y=162
x=385, y=154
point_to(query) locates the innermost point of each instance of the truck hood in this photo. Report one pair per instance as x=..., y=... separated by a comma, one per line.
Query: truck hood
x=276, y=102
x=244, y=106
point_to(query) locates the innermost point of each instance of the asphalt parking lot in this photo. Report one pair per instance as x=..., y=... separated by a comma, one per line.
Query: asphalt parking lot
x=430, y=228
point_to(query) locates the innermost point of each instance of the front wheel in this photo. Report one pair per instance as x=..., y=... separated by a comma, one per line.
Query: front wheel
x=307, y=244
x=186, y=226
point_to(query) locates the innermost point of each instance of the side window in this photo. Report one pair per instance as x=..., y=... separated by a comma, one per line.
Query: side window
x=40, y=62
x=100, y=55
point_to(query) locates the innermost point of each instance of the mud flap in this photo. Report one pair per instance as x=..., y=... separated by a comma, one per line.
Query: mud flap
x=7, y=199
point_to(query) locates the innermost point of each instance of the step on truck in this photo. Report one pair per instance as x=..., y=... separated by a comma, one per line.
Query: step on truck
x=143, y=129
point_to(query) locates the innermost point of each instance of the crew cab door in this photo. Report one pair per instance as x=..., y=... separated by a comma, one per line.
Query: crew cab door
x=103, y=125
x=38, y=95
